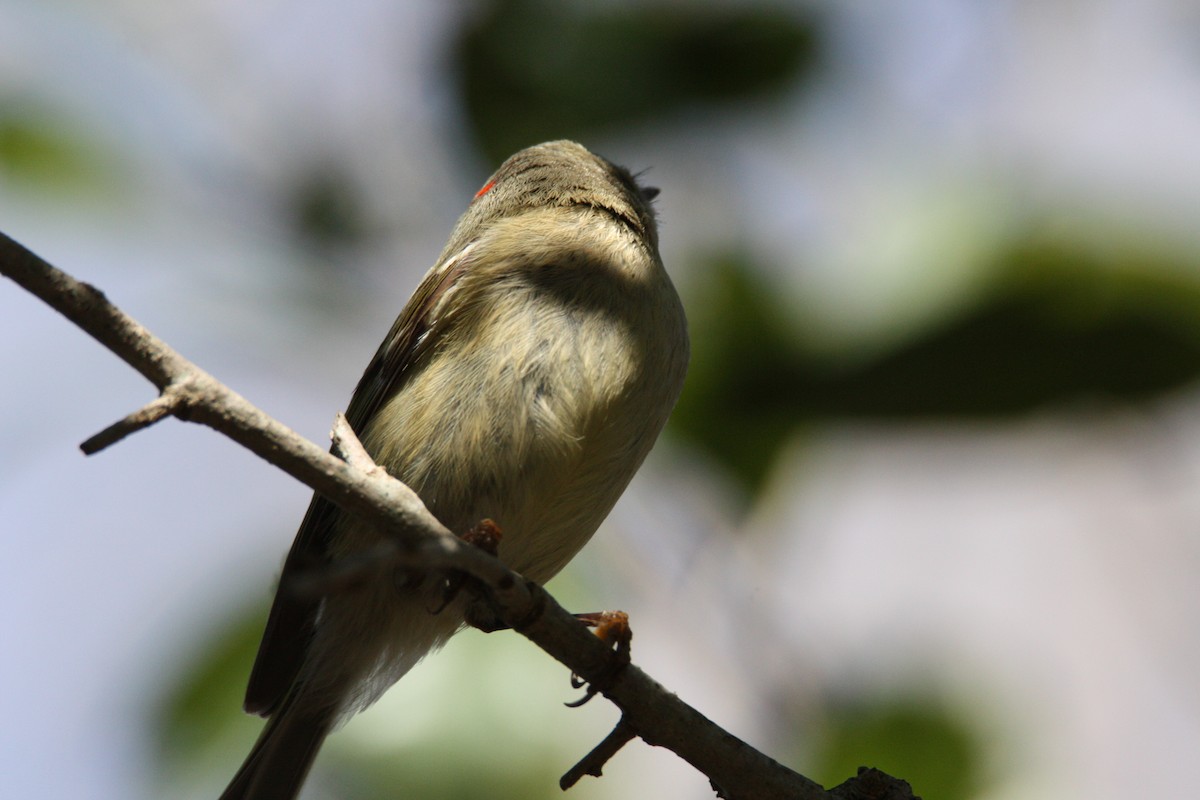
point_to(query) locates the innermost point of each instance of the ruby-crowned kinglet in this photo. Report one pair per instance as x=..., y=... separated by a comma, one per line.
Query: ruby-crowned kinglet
x=525, y=382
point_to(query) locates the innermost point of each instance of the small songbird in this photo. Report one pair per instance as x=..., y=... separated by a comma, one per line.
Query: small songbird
x=525, y=381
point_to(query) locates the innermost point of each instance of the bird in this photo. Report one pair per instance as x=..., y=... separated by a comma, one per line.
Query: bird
x=525, y=381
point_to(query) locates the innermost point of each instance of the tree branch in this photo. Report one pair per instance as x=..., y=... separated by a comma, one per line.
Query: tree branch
x=593, y=762
x=169, y=402
x=411, y=535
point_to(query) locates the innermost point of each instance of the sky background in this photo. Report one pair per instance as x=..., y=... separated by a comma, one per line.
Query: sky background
x=929, y=502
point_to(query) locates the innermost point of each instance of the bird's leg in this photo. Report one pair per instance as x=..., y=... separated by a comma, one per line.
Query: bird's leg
x=612, y=628
x=485, y=535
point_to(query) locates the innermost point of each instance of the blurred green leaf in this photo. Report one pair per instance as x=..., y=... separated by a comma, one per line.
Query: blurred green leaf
x=937, y=753
x=532, y=70
x=327, y=208
x=1065, y=322
x=447, y=773
x=740, y=400
x=205, y=708
x=38, y=150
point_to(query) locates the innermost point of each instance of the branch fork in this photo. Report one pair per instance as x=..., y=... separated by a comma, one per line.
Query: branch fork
x=171, y=401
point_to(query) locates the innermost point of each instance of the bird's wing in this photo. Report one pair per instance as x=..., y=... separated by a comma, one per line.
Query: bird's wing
x=291, y=622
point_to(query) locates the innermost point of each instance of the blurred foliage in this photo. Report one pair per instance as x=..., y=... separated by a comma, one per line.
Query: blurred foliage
x=202, y=732
x=436, y=770
x=738, y=402
x=204, y=711
x=42, y=152
x=326, y=208
x=467, y=750
x=1065, y=323
x=936, y=752
x=532, y=70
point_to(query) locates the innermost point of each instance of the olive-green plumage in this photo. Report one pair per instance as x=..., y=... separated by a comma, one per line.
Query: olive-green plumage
x=525, y=381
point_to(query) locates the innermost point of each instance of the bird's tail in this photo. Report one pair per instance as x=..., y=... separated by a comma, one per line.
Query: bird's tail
x=284, y=752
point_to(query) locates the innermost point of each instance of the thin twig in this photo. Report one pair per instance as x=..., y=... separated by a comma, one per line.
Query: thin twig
x=347, y=446
x=593, y=763
x=162, y=406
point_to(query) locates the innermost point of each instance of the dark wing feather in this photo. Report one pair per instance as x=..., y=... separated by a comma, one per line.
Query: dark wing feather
x=292, y=618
